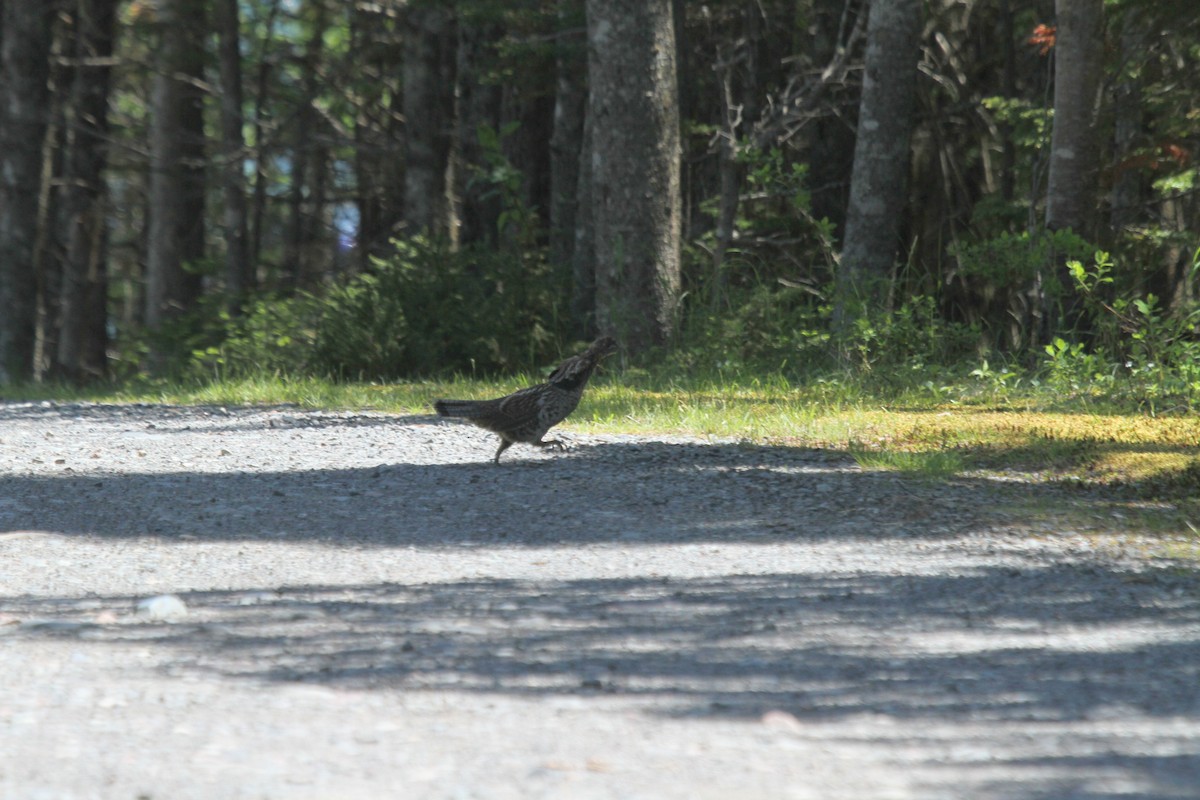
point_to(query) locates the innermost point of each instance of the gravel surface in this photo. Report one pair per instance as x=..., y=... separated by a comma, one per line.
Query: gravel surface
x=274, y=603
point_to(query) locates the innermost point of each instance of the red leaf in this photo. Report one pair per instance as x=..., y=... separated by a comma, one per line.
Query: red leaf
x=1043, y=37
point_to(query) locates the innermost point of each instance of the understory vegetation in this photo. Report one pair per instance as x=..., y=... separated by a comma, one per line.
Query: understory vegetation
x=1096, y=388
x=1105, y=402
x=428, y=312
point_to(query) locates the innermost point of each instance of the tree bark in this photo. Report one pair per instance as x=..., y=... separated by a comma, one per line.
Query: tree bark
x=176, y=235
x=478, y=104
x=1128, y=125
x=879, y=179
x=307, y=167
x=258, y=197
x=566, y=140
x=83, y=303
x=50, y=245
x=24, y=69
x=1072, y=182
x=429, y=65
x=1074, y=154
x=636, y=202
x=239, y=275
x=1008, y=163
x=583, y=251
x=378, y=130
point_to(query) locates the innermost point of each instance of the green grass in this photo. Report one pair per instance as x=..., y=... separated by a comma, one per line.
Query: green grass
x=929, y=464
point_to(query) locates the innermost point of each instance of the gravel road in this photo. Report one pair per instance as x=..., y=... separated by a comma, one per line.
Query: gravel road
x=274, y=603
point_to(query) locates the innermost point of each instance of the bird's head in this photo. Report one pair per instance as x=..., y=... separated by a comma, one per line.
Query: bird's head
x=604, y=346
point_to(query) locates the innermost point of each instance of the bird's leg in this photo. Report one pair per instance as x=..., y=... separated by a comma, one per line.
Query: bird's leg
x=504, y=445
x=554, y=443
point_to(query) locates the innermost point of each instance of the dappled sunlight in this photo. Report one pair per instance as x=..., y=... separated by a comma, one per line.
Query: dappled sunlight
x=781, y=595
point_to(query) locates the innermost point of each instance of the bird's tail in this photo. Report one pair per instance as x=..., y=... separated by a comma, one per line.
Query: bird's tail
x=458, y=408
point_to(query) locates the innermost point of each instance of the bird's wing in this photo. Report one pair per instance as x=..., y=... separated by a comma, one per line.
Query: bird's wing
x=521, y=408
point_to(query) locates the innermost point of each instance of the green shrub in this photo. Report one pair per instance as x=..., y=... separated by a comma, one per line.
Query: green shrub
x=272, y=335
x=1155, y=349
x=429, y=310
x=914, y=335
x=1013, y=280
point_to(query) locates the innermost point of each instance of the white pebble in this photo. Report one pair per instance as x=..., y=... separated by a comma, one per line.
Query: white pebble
x=166, y=607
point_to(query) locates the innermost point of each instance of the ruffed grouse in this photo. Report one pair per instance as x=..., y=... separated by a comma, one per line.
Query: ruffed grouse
x=526, y=415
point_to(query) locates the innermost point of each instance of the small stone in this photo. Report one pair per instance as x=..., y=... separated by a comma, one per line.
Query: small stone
x=256, y=598
x=165, y=607
x=782, y=720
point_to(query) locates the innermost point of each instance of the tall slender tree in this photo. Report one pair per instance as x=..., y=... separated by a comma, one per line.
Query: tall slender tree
x=1074, y=143
x=308, y=160
x=879, y=179
x=429, y=64
x=566, y=141
x=177, y=142
x=24, y=69
x=83, y=303
x=635, y=176
x=378, y=126
x=583, y=247
x=478, y=104
x=239, y=277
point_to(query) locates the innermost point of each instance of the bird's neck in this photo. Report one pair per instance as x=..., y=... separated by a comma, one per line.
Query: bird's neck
x=573, y=381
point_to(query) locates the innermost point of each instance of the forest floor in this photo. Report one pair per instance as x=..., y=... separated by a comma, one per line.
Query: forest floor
x=278, y=603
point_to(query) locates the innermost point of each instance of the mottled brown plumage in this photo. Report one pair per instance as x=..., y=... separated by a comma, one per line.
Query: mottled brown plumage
x=526, y=415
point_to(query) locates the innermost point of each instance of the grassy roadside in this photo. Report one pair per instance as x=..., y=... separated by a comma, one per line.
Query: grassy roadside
x=1148, y=467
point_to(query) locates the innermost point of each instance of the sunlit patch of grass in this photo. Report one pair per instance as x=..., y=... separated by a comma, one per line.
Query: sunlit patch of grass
x=928, y=464
x=1157, y=456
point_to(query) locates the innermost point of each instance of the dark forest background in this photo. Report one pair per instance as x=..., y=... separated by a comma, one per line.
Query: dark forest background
x=380, y=188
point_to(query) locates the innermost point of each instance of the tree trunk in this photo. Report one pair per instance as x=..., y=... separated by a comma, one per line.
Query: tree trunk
x=478, y=104
x=52, y=228
x=636, y=202
x=176, y=235
x=879, y=179
x=239, y=275
x=307, y=164
x=566, y=141
x=1008, y=163
x=83, y=303
x=429, y=61
x=1128, y=125
x=1078, y=61
x=258, y=198
x=583, y=252
x=378, y=130
x=24, y=69
x=1074, y=147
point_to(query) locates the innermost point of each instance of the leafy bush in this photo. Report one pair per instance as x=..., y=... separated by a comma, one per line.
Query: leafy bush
x=913, y=335
x=1156, y=349
x=1013, y=284
x=273, y=335
x=429, y=310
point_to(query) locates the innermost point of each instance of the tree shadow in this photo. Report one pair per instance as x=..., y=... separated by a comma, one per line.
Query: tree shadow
x=1026, y=659
x=616, y=491
x=1052, y=643
x=165, y=419
x=1018, y=648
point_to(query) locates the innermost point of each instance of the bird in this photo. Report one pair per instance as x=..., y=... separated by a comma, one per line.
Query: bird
x=526, y=415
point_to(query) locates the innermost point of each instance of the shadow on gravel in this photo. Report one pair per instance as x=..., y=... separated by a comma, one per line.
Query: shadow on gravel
x=1055, y=643
x=1031, y=652
x=628, y=493
x=213, y=419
